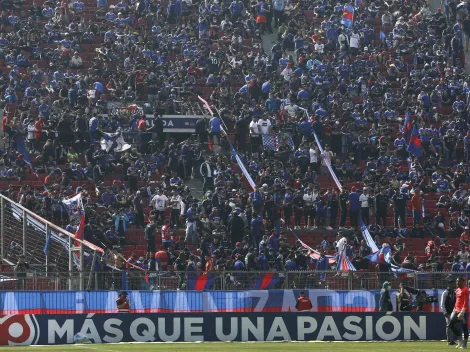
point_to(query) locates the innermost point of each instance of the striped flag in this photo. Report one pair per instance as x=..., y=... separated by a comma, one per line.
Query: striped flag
x=266, y=281
x=206, y=104
x=242, y=166
x=311, y=252
x=273, y=142
x=344, y=264
x=367, y=236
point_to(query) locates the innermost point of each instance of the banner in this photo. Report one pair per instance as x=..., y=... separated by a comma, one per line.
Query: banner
x=74, y=302
x=273, y=142
x=348, y=16
x=114, y=141
x=115, y=328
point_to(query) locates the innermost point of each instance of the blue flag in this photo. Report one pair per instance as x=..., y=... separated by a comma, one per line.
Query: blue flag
x=266, y=281
x=384, y=256
x=382, y=35
x=200, y=282
x=21, y=148
x=407, y=126
x=48, y=241
x=415, y=147
x=348, y=16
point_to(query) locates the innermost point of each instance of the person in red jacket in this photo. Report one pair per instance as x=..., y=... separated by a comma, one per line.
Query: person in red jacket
x=122, y=303
x=460, y=314
x=303, y=303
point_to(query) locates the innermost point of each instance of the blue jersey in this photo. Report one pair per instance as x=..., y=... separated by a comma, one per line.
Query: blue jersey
x=78, y=6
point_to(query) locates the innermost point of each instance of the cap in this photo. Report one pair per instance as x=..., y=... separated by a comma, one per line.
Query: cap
x=450, y=279
x=385, y=284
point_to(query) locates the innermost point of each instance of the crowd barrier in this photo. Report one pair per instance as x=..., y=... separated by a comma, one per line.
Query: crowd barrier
x=88, y=302
x=37, y=280
x=115, y=328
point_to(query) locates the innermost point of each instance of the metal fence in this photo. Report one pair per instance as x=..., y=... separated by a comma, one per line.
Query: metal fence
x=219, y=280
x=44, y=245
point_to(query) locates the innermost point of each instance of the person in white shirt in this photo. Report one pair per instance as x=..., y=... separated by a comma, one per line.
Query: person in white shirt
x=76, y=61
x=314, y=152
x=310, y=212
x=254, y=135
x=364, y=200
x=319, y=47
x=254, y=127
x=264, y=125
x=354, y=41
x=343, y=41
x=328, y=155
x=287, y=73
x=175, y=202
x=160, y=203
x=31, y=130
x=236, y=63
x=463, y=254
x=290, y=108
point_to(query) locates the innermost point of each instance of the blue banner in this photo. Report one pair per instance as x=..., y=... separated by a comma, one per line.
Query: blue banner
x=75, y=302
x=181, y=327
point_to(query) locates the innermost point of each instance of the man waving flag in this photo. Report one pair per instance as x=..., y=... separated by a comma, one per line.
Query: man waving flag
x=415, y=146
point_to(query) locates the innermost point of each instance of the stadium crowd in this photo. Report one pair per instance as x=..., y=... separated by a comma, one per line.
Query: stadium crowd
x=370, y=89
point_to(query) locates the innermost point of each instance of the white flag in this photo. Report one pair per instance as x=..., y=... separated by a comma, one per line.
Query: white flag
x=114, y=140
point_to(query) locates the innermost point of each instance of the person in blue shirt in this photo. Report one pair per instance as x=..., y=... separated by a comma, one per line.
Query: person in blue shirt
x=262, y=261
x=290, y=263
x=457, y=266
x=45, y=110
x=257, y=200
x=354, y=206
x=266, y=89
x=215, y=128
x=78, y=7
x=237, y=9
x=305, y=129
x=256, y=229
x=110, y=16
x=279, y=7
x=303, y=95
x=191, y=226
x=400, y=146
x=48, y=12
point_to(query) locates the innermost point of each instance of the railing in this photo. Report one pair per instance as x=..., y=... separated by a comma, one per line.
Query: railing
x=24, y=233
x=219, y=280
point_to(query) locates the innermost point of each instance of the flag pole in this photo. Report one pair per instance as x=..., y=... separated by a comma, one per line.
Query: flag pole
x=47, y=252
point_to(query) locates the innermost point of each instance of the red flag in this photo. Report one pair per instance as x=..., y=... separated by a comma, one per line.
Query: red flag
x=79, y=235
x=206, y=104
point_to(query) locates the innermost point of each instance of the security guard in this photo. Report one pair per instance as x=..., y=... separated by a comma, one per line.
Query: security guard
x=122, y=303
x=303, y=303
x=447, y=306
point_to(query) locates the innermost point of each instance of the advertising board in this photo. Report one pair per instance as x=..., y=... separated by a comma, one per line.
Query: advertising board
x=190, y=327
